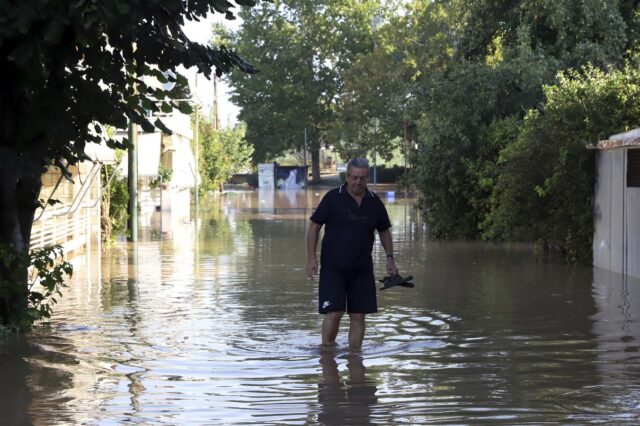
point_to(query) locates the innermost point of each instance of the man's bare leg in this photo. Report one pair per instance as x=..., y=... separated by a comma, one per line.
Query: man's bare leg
x=356, y=330
x=330, y=326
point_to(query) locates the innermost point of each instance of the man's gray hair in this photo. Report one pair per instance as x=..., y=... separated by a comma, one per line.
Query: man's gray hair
x=358, y=163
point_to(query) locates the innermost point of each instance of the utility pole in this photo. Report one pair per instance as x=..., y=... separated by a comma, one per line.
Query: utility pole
x=306, y=170
x=216, y=103
x=404, y=136
x=196, y=133
x=374, y=26
x=132, y=164
x=375, y=156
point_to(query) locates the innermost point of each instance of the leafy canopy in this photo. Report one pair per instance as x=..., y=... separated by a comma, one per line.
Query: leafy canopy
x=302, y=48
x=480, y=67
x=545, y=190
x=72, y=67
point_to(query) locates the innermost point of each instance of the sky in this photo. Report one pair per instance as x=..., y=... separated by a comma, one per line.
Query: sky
x=201, y=32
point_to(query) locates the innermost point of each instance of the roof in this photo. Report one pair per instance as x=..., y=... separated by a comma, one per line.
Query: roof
x=621, y=140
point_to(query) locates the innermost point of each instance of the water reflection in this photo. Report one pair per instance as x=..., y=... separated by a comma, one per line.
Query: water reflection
x=216, y=323
x=345, y=402
x=616, y=325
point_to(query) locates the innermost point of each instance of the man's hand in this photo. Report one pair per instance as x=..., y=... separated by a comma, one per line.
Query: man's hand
x=312, y=267
x=392, y=269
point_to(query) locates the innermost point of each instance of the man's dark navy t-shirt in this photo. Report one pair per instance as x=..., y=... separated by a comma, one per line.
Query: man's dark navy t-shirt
x=349, y=228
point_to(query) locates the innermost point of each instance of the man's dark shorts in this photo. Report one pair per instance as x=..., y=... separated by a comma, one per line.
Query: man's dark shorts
x=353, y=291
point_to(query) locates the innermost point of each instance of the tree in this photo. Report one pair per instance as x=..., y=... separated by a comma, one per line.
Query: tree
x=372, y=106
x=70, y=68
x=302, y=48
x=571, y=32
x=379, y=100
x=501, y=55
x=223, y=152
x=463, y=107
x=114, y=204
x=546, y=188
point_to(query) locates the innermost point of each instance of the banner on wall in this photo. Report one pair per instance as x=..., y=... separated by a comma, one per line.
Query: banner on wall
x=290, y=177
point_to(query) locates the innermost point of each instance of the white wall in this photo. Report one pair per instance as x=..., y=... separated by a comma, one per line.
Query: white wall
x=616, y=239
x=633, y=231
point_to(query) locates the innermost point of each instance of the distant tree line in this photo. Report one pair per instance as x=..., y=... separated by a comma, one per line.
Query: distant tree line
x=493, y=101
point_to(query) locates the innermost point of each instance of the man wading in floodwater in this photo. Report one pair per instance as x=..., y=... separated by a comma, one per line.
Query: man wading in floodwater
x=351, y=214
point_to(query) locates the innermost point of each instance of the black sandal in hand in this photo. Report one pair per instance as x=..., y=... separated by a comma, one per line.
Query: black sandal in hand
x=394, y=280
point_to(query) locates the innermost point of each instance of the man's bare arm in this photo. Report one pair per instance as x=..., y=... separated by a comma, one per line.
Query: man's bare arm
x=387, y=243
x=312, y=242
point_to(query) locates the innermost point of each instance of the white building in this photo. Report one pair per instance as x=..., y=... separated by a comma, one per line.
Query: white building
x=173, y=152
x=616, y=239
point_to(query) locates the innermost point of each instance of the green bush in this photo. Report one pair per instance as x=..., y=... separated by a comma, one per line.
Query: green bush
x=114, y=203
x=165, y=173
x=26, y=301
x=546, y=186
x=222, y=153
x=383, y=174
x=386, y=174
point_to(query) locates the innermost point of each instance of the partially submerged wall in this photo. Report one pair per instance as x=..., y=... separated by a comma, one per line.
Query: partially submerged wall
x=616, y=240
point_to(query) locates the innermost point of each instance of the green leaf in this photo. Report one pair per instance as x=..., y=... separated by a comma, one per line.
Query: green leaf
x=160, y=125
x=183, y=107
x=123, y=7
x=166, y=107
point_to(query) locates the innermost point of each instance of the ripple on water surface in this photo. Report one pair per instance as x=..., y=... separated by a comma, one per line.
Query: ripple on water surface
x=216, y=324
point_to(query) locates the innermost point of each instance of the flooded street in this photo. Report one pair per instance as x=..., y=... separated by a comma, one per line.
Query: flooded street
x=215, y=322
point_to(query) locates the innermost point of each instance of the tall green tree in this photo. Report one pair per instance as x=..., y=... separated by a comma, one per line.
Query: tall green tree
x=302, y=48
x=72, y=67
x=371, y=108
x=379, y=100
x=501, y=55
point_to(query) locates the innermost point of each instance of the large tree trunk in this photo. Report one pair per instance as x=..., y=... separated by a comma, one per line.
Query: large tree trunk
x=19, y=191
x=315, y=164
x=29, y=187
x=10, y=232
x=11, y=237
x=315, y=160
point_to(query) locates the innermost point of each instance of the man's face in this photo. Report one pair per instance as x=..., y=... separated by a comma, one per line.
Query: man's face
x=357, y=180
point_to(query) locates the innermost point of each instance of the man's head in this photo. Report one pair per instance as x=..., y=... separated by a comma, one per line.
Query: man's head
x=357, y=172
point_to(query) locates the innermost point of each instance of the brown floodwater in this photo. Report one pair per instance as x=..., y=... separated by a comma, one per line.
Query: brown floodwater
x=214, y=322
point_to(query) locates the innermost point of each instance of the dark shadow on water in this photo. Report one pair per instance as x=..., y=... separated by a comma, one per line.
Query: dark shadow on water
x=345, y=400
x=15, y=397
x=35, y=379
